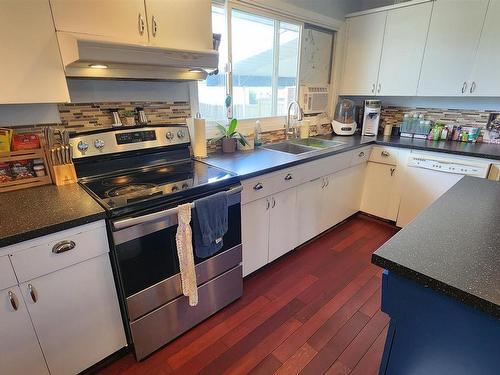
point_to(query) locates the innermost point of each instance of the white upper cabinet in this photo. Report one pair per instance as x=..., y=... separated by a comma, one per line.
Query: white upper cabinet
x=485, y=79
x=453, y=38
x=403, y=50
x=176, y=24
x=114, y=20
x=180, y=24
x=365, y=36
x=30, y=67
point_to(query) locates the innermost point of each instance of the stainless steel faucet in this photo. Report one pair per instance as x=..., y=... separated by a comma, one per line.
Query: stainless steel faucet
x=292, y=132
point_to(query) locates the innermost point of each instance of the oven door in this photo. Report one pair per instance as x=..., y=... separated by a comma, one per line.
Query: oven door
x=146, y=255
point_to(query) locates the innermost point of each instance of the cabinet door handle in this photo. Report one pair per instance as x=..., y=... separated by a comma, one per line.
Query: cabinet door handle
x=274, y=202
x=472, y=87
x=323, y=184
x=288, y=177
x=33, y=293
x=373, y=89
x=361, y=154
x=141, y=25
x=392, y=171
x=13, y=300
x=327, y=182
x=63, y=246
x=379, y=88
x=258, y=186
x=267, y=204
x=385, y=154
x=464, y=87
x=154, y=26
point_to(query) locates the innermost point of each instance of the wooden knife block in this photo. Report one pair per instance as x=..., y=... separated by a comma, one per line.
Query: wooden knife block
x=64, y=174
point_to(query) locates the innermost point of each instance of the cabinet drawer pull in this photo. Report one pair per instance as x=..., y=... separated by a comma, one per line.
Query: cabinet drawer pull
x=473, y=87
x=288, y=177
x=392, y=171
x=141, y=24
x=154, y=27
x=464, y=87
x=13, y=300
x=385, y=154
x=258, y=186
x=274, y=202
x=32, y=292
x=361, y=154
x=63, y=246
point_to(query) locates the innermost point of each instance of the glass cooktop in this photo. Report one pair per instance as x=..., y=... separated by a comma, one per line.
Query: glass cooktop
x=152, y=183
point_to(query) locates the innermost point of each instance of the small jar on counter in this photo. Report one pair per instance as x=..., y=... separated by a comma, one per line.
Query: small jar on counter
x=39, y=170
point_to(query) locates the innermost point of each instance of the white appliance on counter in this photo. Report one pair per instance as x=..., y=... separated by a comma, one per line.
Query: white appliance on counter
x=429, y=176
x=343, y=120
x=371, y=117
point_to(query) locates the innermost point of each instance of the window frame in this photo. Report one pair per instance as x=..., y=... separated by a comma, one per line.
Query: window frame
x=269, y=123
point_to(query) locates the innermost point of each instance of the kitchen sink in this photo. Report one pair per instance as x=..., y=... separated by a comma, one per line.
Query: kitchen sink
x=302, y=146
x=316, y=143
x=290, y=148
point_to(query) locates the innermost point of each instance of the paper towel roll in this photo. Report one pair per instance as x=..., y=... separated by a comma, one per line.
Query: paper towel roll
x=198, y=137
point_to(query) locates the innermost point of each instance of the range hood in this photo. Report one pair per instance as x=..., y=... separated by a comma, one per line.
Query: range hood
x=130, y=61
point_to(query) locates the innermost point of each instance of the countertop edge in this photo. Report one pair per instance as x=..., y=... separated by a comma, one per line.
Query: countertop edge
x=373, y=142
x=43, y=231
x=438, y=286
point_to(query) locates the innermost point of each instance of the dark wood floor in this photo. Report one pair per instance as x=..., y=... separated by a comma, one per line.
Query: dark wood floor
x=315, y=311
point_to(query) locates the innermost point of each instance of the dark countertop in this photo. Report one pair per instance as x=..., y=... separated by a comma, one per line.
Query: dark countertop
x=34, y=212
x=262, y=161
x=453, y=246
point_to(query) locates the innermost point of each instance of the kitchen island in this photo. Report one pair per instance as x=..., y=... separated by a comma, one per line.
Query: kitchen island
x=441, y=286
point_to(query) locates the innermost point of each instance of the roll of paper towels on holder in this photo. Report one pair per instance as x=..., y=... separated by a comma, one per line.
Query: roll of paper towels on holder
x=196, y=127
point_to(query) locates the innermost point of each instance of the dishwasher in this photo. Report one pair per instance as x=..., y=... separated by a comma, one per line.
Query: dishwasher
x=429, y=176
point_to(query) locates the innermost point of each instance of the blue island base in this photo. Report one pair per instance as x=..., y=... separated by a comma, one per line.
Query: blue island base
x=431, y=333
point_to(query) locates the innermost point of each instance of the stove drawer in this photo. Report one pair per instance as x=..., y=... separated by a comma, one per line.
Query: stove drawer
x=161, y=326
x=165, y=291
x=60, y=250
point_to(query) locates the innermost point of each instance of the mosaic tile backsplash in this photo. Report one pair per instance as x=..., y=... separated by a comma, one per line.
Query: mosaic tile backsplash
x=394, y=115
x=99, y=114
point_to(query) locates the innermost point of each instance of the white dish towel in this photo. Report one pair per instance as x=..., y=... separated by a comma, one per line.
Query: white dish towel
x=183, y=239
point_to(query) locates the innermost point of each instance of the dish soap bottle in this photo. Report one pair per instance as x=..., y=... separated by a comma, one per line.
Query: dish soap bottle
x=258, y=136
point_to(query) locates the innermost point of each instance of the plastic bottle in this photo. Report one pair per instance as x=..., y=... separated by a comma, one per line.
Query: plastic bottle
x=406, y=123
x=258, y=135
x=414, y=123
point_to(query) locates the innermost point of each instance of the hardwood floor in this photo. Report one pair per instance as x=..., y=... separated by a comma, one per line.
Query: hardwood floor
x=315, y=311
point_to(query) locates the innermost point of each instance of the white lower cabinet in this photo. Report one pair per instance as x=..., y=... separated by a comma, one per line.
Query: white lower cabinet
x=20, y=352
x=65, y=305
x=282, y=223
x=347, y=187
x=381, y=193
x=255, y=234
x=75, y=315
x=268, y=229
x=309, y=203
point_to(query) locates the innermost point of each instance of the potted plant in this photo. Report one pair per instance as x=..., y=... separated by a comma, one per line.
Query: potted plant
x=229, y=136
x=128, y=118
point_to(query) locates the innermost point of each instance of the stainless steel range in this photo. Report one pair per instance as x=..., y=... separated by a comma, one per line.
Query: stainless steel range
x=140, y=175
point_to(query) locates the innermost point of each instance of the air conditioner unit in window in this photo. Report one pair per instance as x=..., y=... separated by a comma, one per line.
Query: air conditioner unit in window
x=314, y=99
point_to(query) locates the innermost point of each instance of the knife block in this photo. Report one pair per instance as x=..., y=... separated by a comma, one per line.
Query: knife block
x=64, y=174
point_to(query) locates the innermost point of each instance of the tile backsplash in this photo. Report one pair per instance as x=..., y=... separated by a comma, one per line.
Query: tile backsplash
x=99, y=114
x=394, y=115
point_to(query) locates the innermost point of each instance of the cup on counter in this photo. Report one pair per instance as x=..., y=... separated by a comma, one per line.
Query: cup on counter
x=304, y=127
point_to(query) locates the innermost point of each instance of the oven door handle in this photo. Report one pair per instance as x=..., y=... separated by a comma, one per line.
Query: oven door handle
x=126, y=223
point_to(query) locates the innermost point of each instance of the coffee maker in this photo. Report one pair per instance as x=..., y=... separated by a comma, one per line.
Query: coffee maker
x=371, y=117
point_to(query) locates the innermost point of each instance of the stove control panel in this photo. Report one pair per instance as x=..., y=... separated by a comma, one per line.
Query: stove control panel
x=121, y=140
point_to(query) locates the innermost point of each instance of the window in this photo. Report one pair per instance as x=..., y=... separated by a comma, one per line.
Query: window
x=212, y=91
x=264, y=59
